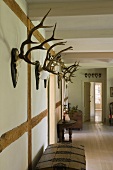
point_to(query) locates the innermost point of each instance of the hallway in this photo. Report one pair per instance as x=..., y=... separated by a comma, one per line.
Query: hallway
x=98, y=141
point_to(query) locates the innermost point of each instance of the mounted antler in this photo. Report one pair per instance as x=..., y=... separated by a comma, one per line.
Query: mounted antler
x=40, y=46
x=15, y=52
x=16, y=55
x=70, y=70
x=29, y=41
x=52, y=61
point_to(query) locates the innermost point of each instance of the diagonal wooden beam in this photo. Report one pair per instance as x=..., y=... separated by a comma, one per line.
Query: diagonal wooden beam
x=35, y=120
x=12, y=135
x=9, y=137
x=24, y=18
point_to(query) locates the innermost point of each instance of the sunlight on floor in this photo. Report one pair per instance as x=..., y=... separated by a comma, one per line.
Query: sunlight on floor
x=97, y=117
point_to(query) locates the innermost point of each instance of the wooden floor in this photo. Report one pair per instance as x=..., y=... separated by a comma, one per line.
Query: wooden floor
x=98, y=141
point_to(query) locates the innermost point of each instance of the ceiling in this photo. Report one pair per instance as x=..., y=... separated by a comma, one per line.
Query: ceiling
x=86, y=25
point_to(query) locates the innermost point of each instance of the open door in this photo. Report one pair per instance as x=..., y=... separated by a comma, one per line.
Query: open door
x=86, y=101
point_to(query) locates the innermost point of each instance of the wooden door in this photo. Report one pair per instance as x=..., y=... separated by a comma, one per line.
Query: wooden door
x=86, y=101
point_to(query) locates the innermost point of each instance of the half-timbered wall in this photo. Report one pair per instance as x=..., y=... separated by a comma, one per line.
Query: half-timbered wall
x=23, y=110
x=13, y=102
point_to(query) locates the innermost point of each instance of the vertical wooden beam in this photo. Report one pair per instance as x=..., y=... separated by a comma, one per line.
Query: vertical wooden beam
x=29, y=116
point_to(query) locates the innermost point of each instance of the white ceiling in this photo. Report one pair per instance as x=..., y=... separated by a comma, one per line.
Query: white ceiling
x=86, y=25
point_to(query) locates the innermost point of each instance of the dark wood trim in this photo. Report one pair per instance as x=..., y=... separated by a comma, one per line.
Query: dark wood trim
x=9, y=137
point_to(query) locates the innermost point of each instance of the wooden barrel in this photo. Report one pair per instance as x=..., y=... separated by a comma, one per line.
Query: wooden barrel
x=63, y=156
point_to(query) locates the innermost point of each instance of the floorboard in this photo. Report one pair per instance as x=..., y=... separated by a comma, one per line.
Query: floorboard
x=98, y=141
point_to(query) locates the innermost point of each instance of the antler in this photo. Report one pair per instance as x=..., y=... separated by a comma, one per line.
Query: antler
x=70, y=70
x=40, y=46
x=58, y=55
x=49, y=58
x=55, y=59
x=29, y=41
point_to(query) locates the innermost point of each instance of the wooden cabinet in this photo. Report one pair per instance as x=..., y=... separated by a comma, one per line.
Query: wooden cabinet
x=77, y=116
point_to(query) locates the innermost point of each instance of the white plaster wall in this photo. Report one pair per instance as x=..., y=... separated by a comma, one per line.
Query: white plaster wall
x=39, y=140
x=39, y=97
x=39, y=104
x=13, y=101
x=15, y=156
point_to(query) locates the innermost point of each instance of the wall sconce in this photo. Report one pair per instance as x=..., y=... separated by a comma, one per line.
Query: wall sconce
x=92, y=75
x=45, y=77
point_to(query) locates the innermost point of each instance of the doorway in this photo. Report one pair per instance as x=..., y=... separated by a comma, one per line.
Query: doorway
x=93, y=101
x=96, y=102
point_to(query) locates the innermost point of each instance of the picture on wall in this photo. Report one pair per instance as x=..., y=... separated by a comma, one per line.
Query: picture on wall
x=111, y=91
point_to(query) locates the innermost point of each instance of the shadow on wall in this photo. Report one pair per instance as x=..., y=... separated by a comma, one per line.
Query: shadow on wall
x=37, y=157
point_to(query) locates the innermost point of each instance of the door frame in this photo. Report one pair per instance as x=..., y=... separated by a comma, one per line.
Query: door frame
x=93, y=91
x=51, y=110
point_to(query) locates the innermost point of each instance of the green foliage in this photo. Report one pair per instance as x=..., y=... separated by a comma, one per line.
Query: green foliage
x=73, y=109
